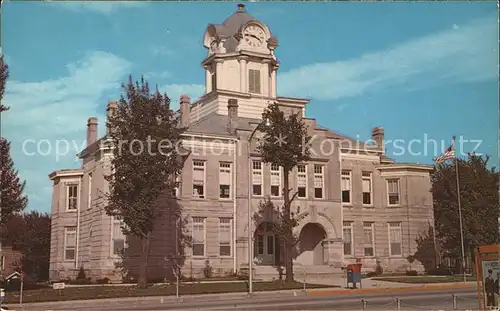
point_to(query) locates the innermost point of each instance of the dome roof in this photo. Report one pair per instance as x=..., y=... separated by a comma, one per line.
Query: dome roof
x=231, y=27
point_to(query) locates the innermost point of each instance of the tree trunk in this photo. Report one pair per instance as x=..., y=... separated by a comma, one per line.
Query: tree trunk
x=142, y=282
x=288, y=227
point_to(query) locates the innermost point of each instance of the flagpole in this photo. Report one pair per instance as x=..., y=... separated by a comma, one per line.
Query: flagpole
x=459, y=210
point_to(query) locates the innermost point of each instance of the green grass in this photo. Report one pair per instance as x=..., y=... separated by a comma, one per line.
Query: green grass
x=425, y=279
x=98, y=292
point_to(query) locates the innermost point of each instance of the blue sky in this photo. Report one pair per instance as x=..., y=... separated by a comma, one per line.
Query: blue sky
x=425, y=70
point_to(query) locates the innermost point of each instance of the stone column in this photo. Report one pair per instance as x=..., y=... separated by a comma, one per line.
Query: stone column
x=273, y=81
x=333, y=251
x=243, y=73
x=218, y=73
x=208, y=79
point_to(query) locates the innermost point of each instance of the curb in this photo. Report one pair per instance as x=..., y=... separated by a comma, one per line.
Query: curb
x=425, y=287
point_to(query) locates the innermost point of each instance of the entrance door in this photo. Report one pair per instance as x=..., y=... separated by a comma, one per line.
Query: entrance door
x=265, y=247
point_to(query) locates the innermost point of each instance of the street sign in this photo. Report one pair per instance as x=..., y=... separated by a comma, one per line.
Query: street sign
x=58, y=286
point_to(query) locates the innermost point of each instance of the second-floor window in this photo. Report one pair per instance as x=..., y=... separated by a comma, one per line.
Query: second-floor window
x=176, y=192
x=302, y=181
x=119, y=240
x=69, y=243
x=254, y=81
x=72, y=193
x=89, y=203
x=198, y=179
x=366, y=178
x=275, y=180
x=257, y=178
x=225, y=180
x=319, y=181
x=346, y=186
x=213, y=76
x=393, y=191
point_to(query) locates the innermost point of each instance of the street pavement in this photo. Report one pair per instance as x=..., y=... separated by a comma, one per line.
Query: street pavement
x=432, y=299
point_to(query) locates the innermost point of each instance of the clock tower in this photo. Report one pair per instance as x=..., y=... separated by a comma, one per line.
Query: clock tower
x=240, y=59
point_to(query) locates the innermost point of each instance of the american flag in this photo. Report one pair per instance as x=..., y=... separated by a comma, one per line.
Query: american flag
x=447, y=155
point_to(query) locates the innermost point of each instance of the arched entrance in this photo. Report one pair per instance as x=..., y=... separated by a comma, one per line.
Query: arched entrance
x=266, y=246
x=310, y=248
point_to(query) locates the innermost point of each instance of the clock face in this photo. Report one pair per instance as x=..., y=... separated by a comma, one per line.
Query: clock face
x=254, y=36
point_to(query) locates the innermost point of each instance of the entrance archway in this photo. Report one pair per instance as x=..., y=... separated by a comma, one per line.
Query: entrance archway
x=267, y=248
x=310, y=250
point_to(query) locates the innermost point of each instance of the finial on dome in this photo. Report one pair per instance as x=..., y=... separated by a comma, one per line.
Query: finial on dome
x=241, y=7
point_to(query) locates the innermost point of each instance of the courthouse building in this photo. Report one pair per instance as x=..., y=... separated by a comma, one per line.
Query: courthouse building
x=356, y=203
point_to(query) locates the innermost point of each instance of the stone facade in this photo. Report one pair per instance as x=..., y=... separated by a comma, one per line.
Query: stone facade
x=356, y=203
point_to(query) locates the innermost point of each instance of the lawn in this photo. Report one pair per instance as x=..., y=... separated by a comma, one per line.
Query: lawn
x=98, y=291
x=425, y=279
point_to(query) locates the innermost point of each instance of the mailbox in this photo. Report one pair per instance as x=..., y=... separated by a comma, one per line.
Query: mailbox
x=354, y=275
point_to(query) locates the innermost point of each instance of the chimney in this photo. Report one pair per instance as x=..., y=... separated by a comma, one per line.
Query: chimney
x=185, y=109
x=110, y=110
x=241, y=8
x=378, y=137
x=91, y=131
x=232, y=113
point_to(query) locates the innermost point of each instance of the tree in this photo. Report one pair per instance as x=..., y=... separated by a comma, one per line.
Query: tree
x=12, y=199
x=479, y=202
x=146, y=137
x=29, y=233
x=284, y=144
x=426, y=249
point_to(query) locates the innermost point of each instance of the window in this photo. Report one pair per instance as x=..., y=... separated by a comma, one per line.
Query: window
x=393, y=191
x=118, y=237
x=225, y=236
x=318, y=181
x=254, y=81
x=72, y=193
x=275, y=180
x=198, y=236
x=176, y=192
x=395, y=238
x=260, y=245
x=367, y=188
x=346, y=186
x=69, y=243
x=368, y=239
x=348, y=237
x=225, y=180
x=90, y=191
x=198, y=179
x=302, y=181
x=257, y=177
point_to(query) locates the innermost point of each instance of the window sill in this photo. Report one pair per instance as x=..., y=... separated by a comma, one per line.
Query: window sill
x=394, y=205
x=368, y=206
x=69, y=260
x=257, y=195
x=349, y=256
x=347, y=204
x=71, y=210
x=320, y=199
x=396, y=256
x=225, y=199
x=226, y=257
x=199, y=257
x=198, y=199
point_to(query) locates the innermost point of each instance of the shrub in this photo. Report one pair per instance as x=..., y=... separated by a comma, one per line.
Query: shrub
x=440, y=271
x=207, y=270
x=81, y=274
x=378, y=269
x=411, y=273
x=102, y=281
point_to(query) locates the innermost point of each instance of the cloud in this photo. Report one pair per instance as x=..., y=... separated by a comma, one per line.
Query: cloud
x=454, y=55
x=104, y=7
x=48, y=114
x=158, y=50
